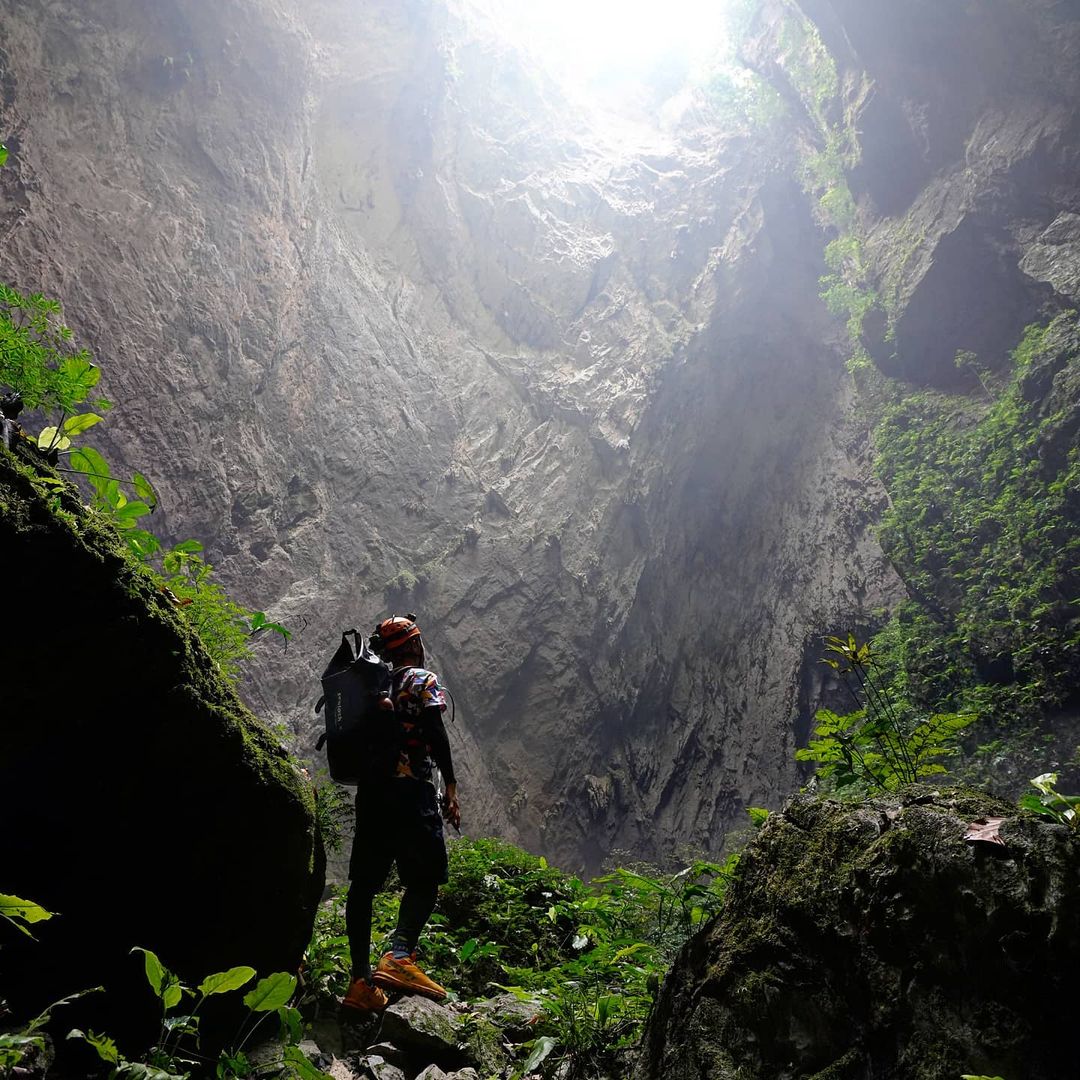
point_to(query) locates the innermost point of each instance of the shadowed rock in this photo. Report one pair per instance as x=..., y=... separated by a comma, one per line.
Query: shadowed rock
x=140, y=800
x=874, y=940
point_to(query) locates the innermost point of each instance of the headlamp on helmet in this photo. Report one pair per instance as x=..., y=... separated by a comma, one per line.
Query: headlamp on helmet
x=391, y=634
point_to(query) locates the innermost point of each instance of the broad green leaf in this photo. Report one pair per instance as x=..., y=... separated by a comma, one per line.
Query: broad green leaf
x=21, y=1045
x=304, y=1069
x=258, y=620
x=187, y=547
x=126, y=516
x=3, y=155
x=541, y=1048
x=172, y=993
x=292, y=1025
x=51, y=439
x=105, y=1047
x=224, y=981
x=758, y=816
x=271, y=993
x=188, y=1025
x=76, y=425
x=14, y=907
x=93, y=466
x=1045, y=782
x=155, y=969
x=468, y=949
x=145, y=490
x=143, y=544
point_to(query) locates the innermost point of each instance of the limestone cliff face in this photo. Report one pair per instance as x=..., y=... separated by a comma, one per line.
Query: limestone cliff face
x=393, y=325
x=970, y=148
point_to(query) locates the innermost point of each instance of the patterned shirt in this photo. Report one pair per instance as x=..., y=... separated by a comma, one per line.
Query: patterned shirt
x=416, y=692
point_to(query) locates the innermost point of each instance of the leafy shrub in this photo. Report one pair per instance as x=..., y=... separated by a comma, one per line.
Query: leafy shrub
x=885, y=742
x=177, y=1055
x=38, y=361
x=1050, y=802
x=985, y=530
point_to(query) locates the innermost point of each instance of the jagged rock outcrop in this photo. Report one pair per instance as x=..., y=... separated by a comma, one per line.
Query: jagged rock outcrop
x=969, y=151
x=393, y=323
x=141, y=802
x=882, y=940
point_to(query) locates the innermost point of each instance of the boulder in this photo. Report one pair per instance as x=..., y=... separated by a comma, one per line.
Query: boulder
x=516, y=1019
x=140, y=800
x=421, y=1028
x=376, y=1067
x=920, y=936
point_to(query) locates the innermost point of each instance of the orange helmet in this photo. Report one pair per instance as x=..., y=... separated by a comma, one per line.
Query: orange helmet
x=392, y=633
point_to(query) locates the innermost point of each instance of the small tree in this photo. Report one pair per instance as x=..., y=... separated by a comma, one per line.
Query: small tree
x=884, y=743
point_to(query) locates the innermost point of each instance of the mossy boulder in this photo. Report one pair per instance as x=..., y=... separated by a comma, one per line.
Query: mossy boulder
x=139, y=798
x=876, y=940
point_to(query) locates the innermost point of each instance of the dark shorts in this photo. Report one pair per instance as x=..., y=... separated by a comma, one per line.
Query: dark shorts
x=398, y=821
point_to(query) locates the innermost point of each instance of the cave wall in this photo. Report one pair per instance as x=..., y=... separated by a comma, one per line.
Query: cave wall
x=392, y=324
x=969, y=138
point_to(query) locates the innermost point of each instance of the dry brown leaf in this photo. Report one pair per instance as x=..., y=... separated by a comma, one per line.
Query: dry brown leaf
x=986, y=830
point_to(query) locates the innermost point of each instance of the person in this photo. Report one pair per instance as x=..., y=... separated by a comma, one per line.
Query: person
x=398, y=821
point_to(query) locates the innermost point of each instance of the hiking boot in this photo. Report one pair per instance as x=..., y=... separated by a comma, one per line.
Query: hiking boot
x=363, y=997
x=404, y=975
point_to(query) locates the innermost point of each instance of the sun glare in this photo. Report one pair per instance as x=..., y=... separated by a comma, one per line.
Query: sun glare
x=588, y=41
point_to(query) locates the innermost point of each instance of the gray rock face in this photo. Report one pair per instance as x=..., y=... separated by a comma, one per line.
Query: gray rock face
x=967, y=177
x=393, y=325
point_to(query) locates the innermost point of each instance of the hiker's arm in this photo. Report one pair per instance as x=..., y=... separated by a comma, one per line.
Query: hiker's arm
x=440, y=751
x=439, y=741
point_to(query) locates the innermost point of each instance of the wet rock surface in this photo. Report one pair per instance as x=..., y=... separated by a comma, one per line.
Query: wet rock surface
x=880, y=940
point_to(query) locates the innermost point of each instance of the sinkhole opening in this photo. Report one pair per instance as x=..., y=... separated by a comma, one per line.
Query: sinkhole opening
x=612, y=47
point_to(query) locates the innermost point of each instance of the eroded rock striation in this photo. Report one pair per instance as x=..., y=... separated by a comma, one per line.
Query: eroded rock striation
x=924, y=935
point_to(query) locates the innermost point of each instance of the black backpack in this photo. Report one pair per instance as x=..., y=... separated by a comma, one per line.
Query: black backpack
x=361, y=733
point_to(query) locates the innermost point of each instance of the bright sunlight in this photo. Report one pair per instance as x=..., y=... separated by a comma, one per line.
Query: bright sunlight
x=590, y=40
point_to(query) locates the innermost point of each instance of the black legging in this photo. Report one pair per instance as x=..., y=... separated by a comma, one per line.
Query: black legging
x=416, y=907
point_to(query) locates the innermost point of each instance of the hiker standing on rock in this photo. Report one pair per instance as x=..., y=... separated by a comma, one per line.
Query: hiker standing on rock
x=398, y=820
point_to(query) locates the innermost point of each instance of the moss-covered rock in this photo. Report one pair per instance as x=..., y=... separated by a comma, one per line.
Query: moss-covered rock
x=139, y=798
x=874, y=940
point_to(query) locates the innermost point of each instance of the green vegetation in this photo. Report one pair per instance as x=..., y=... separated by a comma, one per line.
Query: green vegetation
x=40, y=364
x=22, y=913
x=887, y=741
x=741, y=97
x=177, y=1055
x=812, y=73
x=589, y=956
x=984, y=529
x=983, y=518
x=1050, y=802
x=25, y=1046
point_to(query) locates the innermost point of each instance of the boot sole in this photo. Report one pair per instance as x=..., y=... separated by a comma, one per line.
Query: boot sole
x=388, y=982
